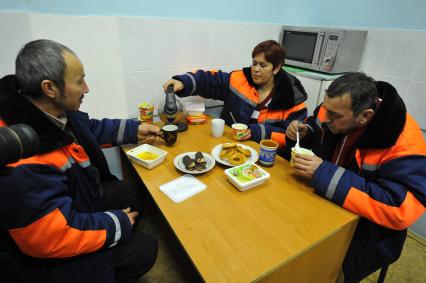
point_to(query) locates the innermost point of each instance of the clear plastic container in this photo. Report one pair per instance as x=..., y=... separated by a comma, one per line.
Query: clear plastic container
x=147, y=155
x=195, y=108
x=246, y=176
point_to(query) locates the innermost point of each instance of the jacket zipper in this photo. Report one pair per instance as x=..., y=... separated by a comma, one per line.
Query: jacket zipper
x=341, y=149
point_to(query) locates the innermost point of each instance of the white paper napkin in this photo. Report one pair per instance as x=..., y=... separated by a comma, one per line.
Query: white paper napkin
x=182, y=188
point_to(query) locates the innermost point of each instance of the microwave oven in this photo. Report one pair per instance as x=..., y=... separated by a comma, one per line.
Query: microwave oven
x=325, y=50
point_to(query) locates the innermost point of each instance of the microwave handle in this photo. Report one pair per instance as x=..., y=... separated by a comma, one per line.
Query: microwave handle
x=321, y=45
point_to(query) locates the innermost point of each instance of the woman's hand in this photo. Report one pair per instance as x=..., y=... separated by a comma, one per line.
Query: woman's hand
x=177, y=85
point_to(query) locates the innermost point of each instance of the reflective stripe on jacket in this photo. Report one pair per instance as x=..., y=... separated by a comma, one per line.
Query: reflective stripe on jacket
x=241, y=97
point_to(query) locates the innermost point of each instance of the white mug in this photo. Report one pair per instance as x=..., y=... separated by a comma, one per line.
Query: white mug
x=218, y=126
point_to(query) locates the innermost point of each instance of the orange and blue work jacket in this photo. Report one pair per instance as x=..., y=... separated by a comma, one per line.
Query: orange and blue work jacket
x=50, y=202
x=240, y=96
x=385, y=181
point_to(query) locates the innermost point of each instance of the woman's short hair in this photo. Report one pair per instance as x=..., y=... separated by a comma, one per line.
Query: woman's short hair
x=274, y=52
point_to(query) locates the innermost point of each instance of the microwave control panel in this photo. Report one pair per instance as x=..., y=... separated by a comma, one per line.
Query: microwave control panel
x=331, y=45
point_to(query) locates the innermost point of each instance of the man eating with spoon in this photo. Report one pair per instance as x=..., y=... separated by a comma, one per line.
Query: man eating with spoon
x=369, y=157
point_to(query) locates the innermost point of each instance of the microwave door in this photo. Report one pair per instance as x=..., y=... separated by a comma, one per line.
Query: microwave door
x=301, y=48
x=318, y=51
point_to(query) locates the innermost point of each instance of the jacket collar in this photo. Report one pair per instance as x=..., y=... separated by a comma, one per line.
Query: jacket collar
x=388, y=121
x=288, y=90
x=15, y=108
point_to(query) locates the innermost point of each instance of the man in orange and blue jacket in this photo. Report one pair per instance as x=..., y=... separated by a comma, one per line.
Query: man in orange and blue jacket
x=63, y=216
x=370, y=158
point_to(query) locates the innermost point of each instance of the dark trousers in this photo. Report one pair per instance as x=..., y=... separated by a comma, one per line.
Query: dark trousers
x=135, y=257
x=370, y=250
x=130, y=259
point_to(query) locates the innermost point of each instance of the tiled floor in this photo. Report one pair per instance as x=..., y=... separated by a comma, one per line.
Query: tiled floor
x=173, y=265
x=411, y=266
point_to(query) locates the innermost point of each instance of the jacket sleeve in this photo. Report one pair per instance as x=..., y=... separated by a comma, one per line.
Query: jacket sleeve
x=276, y=131
x=39, y=215
x=207, y=84
x=396, y=199
x=114, y=131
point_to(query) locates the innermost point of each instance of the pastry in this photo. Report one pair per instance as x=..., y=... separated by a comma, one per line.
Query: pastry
x=188, y=162
x=237, y=159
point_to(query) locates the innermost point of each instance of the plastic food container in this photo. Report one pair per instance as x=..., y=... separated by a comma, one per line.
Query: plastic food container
x=196, y=120
x=246, y=176
x=147, y=155
x=195, y=108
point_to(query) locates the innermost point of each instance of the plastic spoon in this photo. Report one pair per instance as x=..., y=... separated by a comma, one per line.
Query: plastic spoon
x=297, y=146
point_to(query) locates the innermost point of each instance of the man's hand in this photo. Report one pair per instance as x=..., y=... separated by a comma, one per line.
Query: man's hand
x=306, y=165
x=147, y=133
x=294, y=127
x=177, y=85
x=131, y=214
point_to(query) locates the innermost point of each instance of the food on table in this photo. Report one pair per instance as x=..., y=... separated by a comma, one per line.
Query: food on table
x=198, y=163
x=234, y=154
x=199, y=158
x=147, y=155
x=200, y=166
x=247, y=173
x=188, y=162
x=244, y=151
x=237, y=158
x=228, y=145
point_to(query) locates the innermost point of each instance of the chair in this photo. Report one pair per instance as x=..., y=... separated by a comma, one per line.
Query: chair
x=382, y=274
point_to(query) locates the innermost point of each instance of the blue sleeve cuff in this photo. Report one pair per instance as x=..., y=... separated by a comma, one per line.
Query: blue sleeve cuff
x=123, y=228
x=131, y=131
x=329, y=181
x=188, y=84
x=259, y=132
x=255, y=132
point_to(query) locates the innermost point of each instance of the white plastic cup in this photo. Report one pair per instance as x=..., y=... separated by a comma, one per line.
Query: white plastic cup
x=301, y=150
x=218, y=125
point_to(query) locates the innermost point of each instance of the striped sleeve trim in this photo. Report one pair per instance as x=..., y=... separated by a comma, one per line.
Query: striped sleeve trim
x=262, y=131
x=117, y=235
x=334, y=182
x=194, y=83
x=120, y=134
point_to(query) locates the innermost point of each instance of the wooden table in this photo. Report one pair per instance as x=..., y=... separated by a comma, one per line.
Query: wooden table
x=277, y=232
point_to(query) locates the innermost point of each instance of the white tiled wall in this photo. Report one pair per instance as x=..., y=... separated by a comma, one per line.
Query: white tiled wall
x=127, y=59
x=156, y=49
x=399, y=57
x=15, y=31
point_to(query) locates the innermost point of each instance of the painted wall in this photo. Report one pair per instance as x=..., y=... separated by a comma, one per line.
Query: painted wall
x=269, y=11
x=408, y=14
